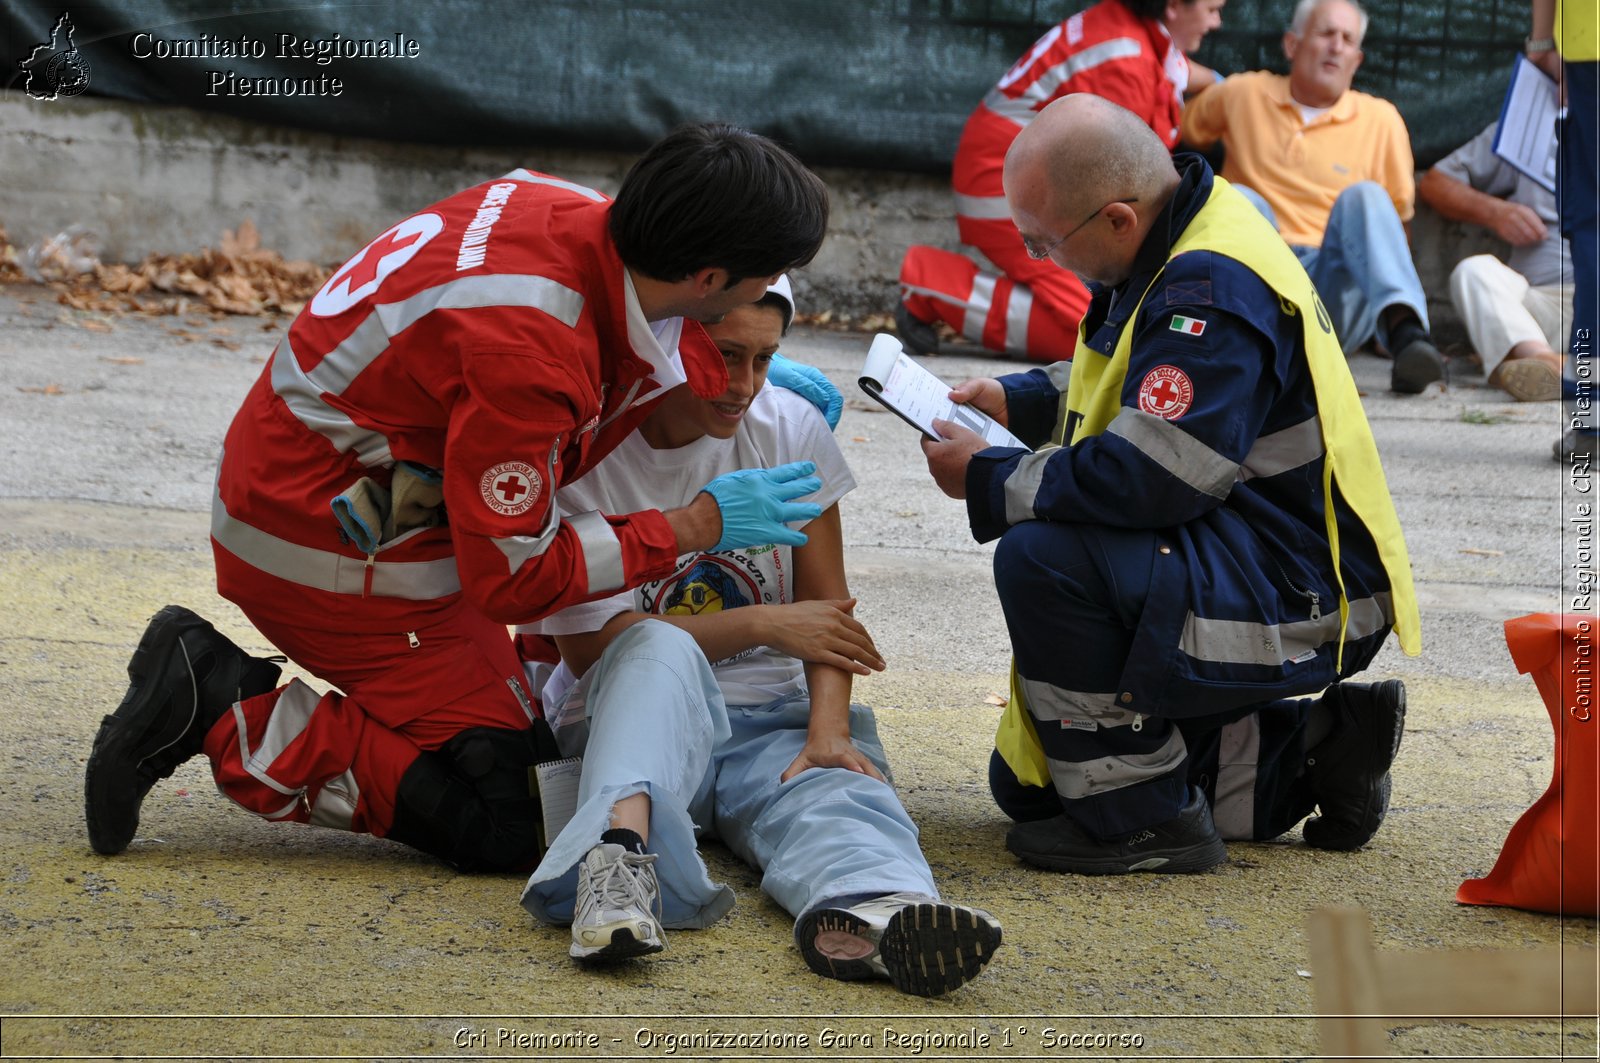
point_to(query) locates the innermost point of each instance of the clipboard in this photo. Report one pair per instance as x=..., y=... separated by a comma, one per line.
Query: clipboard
x=1526, y=135
x=916, y=396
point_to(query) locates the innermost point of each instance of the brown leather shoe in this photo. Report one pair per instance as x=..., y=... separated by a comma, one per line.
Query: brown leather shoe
x=1533, y=378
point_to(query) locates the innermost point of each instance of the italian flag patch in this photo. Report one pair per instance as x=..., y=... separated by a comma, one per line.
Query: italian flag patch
x=1189, y=326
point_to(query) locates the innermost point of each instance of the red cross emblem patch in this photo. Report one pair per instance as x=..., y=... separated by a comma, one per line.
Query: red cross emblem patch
x=510, y=488
x=360, y=277
x=1166, y=392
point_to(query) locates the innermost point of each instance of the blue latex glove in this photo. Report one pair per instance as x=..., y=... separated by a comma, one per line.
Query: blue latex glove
x=810, y=384
x=359, y=522
x=757, y=504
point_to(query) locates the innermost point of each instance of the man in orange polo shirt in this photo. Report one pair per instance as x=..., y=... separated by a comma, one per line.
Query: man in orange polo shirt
x=1333, y=170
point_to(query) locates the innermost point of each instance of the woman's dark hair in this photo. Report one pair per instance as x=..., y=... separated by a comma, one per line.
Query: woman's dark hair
x=784, y=308
x=717, y=196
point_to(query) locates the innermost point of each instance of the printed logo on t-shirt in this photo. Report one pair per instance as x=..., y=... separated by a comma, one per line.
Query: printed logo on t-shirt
x=1166, y=392
x=360, y=277
x=714, y=583
x=510, y=488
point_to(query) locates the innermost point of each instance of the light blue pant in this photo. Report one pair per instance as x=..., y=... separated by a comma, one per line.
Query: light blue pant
x=1364, y=264
x=657, y=724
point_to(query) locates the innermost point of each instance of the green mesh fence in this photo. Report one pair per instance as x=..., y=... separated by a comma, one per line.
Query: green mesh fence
x=866, y=83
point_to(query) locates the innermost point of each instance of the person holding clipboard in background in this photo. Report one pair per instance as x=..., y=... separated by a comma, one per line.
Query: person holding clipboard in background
x=1518, y=312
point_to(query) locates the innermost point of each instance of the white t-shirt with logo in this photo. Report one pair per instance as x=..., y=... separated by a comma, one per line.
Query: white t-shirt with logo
x=778, y=428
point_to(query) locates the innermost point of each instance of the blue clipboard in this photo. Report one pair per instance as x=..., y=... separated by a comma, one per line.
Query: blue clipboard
x=1526, y=135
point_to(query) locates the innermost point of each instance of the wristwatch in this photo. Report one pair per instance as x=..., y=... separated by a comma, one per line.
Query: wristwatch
x=1539, y=44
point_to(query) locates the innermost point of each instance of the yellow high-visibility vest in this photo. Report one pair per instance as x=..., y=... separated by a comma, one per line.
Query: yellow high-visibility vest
x=1577, y=30
x=1228, y=225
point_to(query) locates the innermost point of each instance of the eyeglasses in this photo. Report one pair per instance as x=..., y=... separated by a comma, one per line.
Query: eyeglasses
x=1038, y=253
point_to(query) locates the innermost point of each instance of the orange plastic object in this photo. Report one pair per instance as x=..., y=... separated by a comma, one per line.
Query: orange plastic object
x=1550, y=861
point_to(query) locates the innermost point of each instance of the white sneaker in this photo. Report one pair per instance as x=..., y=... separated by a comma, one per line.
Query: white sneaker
x=925, y=947
x=614, y=916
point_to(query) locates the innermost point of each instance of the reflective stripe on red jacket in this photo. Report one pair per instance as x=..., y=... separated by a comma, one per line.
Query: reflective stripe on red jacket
x=487, y=336
x=1106, y=50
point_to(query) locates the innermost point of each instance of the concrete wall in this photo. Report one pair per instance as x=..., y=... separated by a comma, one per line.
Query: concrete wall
x=165, y=179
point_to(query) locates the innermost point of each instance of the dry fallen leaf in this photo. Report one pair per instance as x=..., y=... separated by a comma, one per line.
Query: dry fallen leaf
x=1477, y=552
x=245, y=241
x=237, y=277
x=95, y=326
x=123, y=359
x=10, y=270
x=48, y=389
x=997, y=700
x=835, y=321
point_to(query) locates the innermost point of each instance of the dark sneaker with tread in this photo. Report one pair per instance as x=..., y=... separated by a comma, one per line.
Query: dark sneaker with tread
x=1348, y=772
x=1186, y=843
x=919, y=336
x=182, y=678
x=925, y=947
x=1416, y=365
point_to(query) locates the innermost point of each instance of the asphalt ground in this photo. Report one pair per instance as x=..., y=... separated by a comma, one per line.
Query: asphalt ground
x=216, y=935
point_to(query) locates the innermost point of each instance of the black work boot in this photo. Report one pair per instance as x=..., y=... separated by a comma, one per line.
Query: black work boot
x=182, y=678
x=1188, y=842
x=919, y=336
x=1348, y=772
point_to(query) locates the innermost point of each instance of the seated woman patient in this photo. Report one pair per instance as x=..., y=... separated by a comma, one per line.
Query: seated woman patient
x=761, y=747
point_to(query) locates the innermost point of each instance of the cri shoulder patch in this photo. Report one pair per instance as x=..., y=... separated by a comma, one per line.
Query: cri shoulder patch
x=1166, y=392
x=510, y=488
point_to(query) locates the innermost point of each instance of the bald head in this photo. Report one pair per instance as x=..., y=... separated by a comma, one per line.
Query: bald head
x=1084, y=150
x=1080, y=154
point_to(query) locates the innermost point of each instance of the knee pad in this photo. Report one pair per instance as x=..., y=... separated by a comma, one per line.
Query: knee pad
x=473, y=802
x=497, y=760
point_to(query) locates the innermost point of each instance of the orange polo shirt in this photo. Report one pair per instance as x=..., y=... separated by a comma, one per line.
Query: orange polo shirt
x=1301, y=169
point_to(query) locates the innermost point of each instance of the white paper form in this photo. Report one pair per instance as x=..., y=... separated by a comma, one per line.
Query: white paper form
x=891, y=376
x=557, y=782
x=1526, y=137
